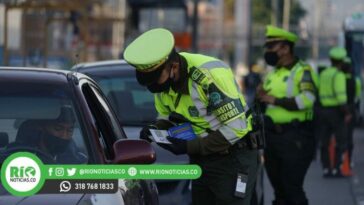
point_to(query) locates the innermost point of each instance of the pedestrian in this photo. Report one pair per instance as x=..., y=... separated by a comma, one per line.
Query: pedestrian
x=334, y=113
x=203, y=90
x=288, y=92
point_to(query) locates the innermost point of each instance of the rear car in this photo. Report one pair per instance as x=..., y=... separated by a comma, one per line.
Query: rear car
x=134, y=106
x=30, y=97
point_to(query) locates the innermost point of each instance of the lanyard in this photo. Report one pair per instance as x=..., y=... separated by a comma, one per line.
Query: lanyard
x=176, y=103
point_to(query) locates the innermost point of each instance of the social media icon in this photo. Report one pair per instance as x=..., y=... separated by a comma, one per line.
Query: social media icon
x=71, y=171
x=65, y=186
x=50, y=171
x=132, y=171
x=59, y=172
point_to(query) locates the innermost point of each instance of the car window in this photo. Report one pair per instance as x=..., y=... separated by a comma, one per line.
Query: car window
x=40, y=118
x=107, y=125
x=133, y=103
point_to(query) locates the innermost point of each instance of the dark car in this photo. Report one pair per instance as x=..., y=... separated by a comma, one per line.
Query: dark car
x=31, y=97
x=134, y=105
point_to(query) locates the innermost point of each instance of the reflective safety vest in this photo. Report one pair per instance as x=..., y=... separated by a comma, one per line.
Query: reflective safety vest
x=299, y=83
x=357, y=89
x=214, y=99
x=332, y=89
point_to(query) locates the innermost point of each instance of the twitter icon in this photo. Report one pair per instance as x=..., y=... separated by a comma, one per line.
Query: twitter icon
x=71, y=171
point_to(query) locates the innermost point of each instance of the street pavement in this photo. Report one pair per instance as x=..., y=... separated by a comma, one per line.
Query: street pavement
x=333, y=191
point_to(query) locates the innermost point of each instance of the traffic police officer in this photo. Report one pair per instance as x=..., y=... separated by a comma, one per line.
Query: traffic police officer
x=351, y=96
x=333, y=112
x=203, y=90
x=288, y=92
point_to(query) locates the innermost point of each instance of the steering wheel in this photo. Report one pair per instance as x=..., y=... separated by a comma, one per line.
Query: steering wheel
x=45, y=157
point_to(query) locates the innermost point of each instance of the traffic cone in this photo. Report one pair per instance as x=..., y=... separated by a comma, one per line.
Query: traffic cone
x=345, y=167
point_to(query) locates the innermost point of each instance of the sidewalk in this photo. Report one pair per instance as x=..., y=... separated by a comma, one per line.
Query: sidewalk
x=333, y=191
x=357, y=180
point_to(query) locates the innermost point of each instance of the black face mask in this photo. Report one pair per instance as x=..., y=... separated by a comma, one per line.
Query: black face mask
x=271, y=58
x=158, y=88
x=56, y=145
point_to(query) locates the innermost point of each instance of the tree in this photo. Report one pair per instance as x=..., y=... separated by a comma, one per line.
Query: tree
x=262, y=10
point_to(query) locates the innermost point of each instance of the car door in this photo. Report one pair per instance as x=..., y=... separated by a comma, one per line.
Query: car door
x=133, y=191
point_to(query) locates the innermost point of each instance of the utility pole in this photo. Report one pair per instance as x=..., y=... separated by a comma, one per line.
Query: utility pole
x=316, y=30
x=286, y=13
x=219, y=31
x=243, y=27
x=274, y=14
x=195, y=27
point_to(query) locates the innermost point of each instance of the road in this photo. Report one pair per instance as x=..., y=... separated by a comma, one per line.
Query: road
x=333, y=191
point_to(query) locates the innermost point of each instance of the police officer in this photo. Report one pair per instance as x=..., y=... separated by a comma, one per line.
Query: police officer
x=334, y=113
x=203, y=90
x=288, y=92
x=351, y=93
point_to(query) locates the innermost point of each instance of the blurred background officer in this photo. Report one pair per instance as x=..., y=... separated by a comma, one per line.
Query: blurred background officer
x=333, y=112
x=203, y=90
x=352, y=93
x=250, y=84
x=289, y=94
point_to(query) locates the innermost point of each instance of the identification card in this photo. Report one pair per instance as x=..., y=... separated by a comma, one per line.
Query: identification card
x=240, y=188
x=160, y=136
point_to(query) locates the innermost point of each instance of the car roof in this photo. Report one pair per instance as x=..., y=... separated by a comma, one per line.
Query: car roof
x=100, y=63
x=28, y=74
x=104, y=67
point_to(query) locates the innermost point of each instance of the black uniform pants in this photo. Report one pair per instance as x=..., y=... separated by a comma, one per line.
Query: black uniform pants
x=217, y=184
x=331, y=122
x=350, y=132
x=288, y=155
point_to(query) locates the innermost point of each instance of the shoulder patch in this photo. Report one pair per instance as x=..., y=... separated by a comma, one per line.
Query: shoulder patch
x=197, y=75
x=306, y=76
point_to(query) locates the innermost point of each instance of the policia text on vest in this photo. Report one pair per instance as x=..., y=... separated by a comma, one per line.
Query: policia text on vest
x=203, y=90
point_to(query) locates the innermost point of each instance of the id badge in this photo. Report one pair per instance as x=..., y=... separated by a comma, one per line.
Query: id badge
x=240, y=188
x=183, y=131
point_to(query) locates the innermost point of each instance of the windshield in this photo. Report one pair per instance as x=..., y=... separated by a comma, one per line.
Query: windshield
x=133, y=103
x=40, y=118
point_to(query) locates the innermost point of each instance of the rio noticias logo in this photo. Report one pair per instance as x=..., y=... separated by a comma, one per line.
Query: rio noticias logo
x=21, y=174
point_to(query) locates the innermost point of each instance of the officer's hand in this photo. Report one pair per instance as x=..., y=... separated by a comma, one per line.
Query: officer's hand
x=268, y=99
x=178, y=146
x=145, y=133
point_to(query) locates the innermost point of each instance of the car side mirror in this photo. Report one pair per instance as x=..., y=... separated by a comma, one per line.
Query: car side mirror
x=129, y=151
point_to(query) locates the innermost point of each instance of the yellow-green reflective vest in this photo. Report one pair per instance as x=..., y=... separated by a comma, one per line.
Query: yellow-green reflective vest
x=300, y=83
x=357, y=89
x=214, y=99
x=332, y=89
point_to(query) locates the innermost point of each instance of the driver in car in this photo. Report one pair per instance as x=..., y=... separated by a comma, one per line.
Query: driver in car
x=53, y=137
x=56, y=139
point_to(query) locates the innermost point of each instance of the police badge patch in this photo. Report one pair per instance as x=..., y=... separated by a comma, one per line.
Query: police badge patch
x=192, y=110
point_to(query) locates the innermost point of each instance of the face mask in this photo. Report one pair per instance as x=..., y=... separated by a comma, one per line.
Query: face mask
x=55, y=144
x=271, y=58
x=158, y=88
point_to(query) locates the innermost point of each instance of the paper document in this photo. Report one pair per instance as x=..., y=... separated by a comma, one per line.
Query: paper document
x=160, y=136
